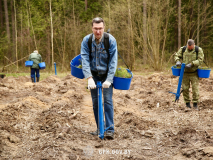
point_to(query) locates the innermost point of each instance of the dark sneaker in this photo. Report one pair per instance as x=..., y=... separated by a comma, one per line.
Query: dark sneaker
x=109, y=135
x=94, y=133
x=195, y=106
x=188, y=105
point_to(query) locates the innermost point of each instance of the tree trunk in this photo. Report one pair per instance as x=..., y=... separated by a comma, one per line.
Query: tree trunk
x=109, y=12
x=128, y=39
x=132, y=40
x=85, y=5
x=179, y=24
x=63, y=60
x=64, y=50
x=176, y=29
x=13, y=30
x=144, y=32
x=16, y=49
x=48, y=46
x=7, y=20
x=1, y=15
x=74, y=25
x=51, y=21
x=131, y=56
x=32, y=29
x=191, y=30
x=204, y=30
x=21, y=36
x=198, y=22
x=7, y=28
x=28, y=29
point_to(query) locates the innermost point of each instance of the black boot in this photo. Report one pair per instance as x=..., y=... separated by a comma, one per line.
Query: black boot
x=32, y=80
x=188, y=105
x=37, y=78
x=195, y=106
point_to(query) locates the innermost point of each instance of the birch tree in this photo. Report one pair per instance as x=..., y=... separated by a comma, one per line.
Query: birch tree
x=144, y=32
x=179, y=23
x=51, y=24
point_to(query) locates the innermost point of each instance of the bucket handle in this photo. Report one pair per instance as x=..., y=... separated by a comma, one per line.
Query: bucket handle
x=206, y=64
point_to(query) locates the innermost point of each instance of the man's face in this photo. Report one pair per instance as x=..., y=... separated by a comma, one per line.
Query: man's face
x=190, y=48
x=98, y=29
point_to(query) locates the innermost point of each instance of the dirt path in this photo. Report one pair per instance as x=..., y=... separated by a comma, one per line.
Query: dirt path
x=87, y=110
x=52, y=119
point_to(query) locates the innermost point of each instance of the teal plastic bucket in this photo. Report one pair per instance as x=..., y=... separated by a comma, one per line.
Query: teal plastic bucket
x=76, y=72
x=122, y=83
x=203, y=73
x=28, y=63
x=175, y=71
x=42, y=65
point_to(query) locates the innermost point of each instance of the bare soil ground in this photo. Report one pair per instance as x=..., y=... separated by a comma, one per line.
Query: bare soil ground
x=52, y=119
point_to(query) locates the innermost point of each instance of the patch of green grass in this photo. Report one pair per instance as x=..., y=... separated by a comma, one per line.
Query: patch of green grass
x=16, y=74
x=43, y=75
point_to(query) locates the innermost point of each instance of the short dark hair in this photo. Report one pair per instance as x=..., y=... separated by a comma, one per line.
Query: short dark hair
x=97, y=20
x=190, y=42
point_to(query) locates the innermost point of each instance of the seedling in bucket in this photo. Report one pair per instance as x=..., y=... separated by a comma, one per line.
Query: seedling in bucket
x=203, y=72
x=80, y=65
x=122, y=79
x=179, y=83
x=176, y=70
x=122, y=73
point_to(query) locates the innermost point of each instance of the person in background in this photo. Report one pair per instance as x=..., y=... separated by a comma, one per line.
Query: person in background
x=36, y=58
x=99, y=65
x=193, y=57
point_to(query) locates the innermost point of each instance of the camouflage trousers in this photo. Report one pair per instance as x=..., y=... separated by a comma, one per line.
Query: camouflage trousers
x=194, y=80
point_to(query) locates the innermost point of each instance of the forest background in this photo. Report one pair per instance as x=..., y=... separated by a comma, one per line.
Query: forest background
x=148, y=33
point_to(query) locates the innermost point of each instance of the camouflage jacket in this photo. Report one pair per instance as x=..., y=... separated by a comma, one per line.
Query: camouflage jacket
x=36, y=58
x=190, y=57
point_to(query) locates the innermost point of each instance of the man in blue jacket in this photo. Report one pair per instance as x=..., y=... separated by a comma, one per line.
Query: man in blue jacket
x=99, y=65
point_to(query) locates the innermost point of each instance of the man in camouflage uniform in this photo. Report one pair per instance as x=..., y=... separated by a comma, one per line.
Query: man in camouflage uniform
x=192, y=62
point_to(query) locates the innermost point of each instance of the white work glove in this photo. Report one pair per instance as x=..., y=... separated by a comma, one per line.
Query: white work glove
x=106, y=84
x=91, y=83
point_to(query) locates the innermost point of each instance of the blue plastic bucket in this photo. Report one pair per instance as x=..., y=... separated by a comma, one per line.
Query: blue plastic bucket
x=122, y=83
x=203, y=73
x=176, y=71
x=28, y=63
x=42, y=65
x=76, y=72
